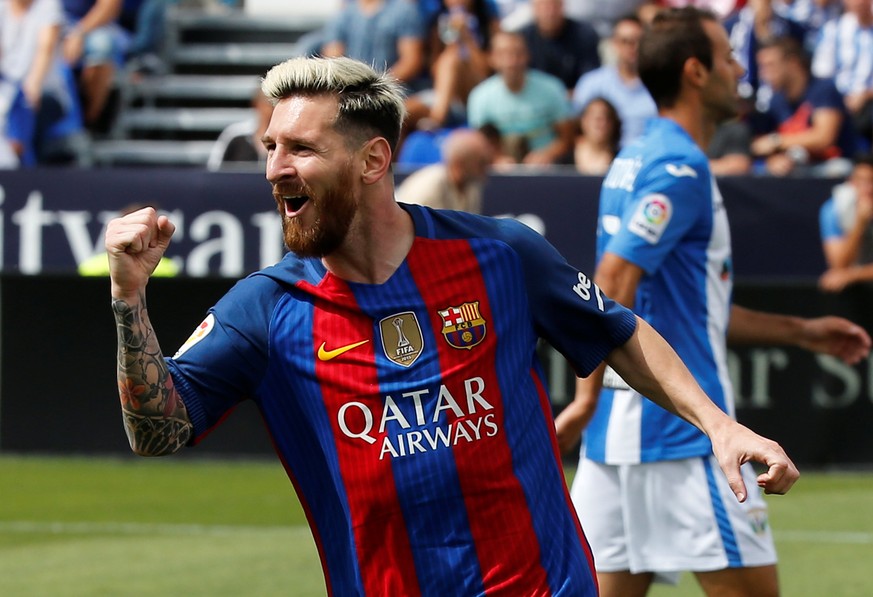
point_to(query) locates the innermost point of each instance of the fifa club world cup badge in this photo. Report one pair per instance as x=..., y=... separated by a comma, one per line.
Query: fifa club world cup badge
x=463, y=326
x=402, y=339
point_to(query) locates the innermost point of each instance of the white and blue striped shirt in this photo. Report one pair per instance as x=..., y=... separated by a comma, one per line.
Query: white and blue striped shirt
x=844, y=53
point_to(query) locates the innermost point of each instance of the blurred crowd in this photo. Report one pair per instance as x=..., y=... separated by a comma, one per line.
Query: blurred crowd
x=503, y=84
x=558, y=80
x=554, y=81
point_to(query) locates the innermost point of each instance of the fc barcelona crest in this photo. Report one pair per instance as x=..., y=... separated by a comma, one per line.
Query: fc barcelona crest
x=463, y=326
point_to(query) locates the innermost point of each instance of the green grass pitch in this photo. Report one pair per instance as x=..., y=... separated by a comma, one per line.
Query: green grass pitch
x=116, y=527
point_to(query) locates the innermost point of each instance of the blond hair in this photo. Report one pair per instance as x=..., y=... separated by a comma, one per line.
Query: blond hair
x=370, y=103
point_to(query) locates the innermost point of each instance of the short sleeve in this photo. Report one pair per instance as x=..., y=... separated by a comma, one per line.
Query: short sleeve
x=569, y=310
x=672, y=198
x=224, y=359
x=828, y=222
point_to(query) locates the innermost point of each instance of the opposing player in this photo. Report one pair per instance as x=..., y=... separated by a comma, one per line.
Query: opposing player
x=647, y=490
x=392, y=354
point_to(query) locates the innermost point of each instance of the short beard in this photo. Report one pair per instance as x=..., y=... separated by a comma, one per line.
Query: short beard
x=327, y=233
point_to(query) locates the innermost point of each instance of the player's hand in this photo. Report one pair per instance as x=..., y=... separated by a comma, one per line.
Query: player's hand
x=836, y=279
x=135, y=244
x=569, y=425
x=736, y=445
x=837, y=337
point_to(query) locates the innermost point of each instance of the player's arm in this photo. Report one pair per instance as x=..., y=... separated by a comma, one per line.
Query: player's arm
x=830, y=335
x=649, y=364
x=618, y=279
x=155, y=417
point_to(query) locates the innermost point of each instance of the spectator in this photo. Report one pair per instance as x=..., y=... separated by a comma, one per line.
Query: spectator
x=458, y=44
x=144, y=20
x=720, y=8
x=811, y=14
x=388, y=34
x=730, y=149
x=846, y=230
x=603, y=16
x=619, y=83
x=35, y=92
x=528, y=107
x=807, y=128
x=598, y=138
x=8, y=157
x=559, y=45
x=457, y=182
x=94, y=45
x=239, y=144
x=755, y=24
x=844, y=54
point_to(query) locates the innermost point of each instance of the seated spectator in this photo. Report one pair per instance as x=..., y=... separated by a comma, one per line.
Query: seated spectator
x=811, y=14
x=35, y=93
x=730, y=149
x=457, y=46
x=843, y=53
x=143, y=20
x=755, y=24
x=599, y=135
x=807, y=129
x=619, y=83
x=846, y=221
x=529, y=108
x=94, y=45
x=389, y=34
x=721, y=8
x=602, y=15
x=559, y=45
x=239, y=145
x=456, y=182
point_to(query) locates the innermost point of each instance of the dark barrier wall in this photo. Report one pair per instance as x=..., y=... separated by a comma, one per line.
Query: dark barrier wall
x=57, y=389
x=58, y=383
x=51, y=220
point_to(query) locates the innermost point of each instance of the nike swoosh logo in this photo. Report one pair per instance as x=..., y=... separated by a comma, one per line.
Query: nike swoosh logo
x=326, y=355
x=681, y=170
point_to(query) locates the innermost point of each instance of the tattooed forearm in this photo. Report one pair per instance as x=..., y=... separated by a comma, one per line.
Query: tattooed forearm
x=155, y=418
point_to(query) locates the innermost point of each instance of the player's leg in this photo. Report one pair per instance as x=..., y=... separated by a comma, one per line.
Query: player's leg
x=747, y=541
x=598, y=497
x=624, y=584
x=758, y=581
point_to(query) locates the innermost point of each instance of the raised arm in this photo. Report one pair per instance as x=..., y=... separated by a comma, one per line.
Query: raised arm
x=649, y=365
x=154, y=416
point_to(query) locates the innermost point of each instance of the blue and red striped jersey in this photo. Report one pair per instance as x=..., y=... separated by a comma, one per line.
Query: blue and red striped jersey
x=412, y=416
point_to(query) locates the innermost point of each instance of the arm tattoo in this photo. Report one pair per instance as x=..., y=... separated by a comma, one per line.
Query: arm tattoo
x=155, y=417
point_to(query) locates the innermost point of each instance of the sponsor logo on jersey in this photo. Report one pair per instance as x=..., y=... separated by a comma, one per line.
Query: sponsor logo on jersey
x=325, y=354
x=651, y=217
x=201, y=332
x=422, y=420
x=463, y=326
x=402, y=339
x=680, y=170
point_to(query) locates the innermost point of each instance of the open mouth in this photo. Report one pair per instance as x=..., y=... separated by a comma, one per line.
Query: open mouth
x=293, y=203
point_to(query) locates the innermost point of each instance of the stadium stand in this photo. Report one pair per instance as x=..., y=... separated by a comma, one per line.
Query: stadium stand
x=210, y=65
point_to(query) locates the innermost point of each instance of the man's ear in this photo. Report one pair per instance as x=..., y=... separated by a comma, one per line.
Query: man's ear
x=376, y=154
x=695, y=72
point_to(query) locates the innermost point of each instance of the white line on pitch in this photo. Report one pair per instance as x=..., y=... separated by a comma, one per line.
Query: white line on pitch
x=137, y=528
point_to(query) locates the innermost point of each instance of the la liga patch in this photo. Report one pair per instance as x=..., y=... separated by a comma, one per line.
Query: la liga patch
x=201, y=332
x=651, y=217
